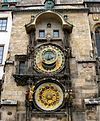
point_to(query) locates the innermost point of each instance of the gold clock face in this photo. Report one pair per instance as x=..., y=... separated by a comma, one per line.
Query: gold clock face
x=49, y=59
x=49, y=96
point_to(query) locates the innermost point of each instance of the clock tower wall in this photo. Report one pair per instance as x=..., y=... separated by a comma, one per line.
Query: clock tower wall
x=81, y=64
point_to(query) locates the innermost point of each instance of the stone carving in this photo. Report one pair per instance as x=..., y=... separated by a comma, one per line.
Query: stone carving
x=49, y=4
x=91, y=115
x=29, y=93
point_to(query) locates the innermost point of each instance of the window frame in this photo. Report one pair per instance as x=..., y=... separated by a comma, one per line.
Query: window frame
x=43, y=33
x=1, y=55
x=97, y=35
x=57, y=35
x=18, y=59
x=3, y=25
x=22, y=68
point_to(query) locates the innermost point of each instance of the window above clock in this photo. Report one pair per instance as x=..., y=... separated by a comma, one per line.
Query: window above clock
x=56, y=33
x=41, y=33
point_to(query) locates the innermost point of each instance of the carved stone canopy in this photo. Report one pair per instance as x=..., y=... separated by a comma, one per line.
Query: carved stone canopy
x=32, y=25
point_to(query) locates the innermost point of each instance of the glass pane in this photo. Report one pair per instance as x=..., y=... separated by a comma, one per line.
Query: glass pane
x=3, y=28
x=41, y=33
x=22, y=67
x=3, y=23
x=97, y=35
x=1, y=49
x=1, y=57
x=56, y=33
x=0, y=21
x=1, y=54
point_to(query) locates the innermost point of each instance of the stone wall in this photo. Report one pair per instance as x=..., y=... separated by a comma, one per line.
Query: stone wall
x=82, y=65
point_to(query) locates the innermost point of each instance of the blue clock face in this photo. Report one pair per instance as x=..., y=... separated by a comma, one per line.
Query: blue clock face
x=48, y=59
x=49, y=55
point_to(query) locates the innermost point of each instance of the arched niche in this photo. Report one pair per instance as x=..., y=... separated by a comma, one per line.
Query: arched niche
x=49, y=15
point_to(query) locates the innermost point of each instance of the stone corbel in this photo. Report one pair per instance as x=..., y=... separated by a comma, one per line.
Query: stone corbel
x=67, y=26
x=30, y=27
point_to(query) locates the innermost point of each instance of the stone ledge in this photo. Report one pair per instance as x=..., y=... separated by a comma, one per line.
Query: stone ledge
x=9, y=62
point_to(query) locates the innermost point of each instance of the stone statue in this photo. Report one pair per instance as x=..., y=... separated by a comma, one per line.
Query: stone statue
x=29, y=93
x=49, y=4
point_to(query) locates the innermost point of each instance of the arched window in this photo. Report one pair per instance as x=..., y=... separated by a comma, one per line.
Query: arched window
x=97, y=36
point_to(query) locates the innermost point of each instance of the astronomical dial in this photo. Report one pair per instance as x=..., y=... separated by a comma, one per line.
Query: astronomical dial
x=49, y=96
x=49, y=56
x=49, y=59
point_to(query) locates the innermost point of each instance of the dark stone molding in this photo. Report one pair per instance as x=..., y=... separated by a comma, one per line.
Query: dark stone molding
x=22, y=80
x=20, y=57
x=86, y=61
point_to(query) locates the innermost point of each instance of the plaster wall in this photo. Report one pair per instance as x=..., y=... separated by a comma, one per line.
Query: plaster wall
x=5, y=38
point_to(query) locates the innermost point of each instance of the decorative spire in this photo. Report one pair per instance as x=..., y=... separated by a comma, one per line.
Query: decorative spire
x=49, y=4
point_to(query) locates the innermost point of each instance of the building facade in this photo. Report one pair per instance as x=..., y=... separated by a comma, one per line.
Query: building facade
x=52, y=70
x=5, y=33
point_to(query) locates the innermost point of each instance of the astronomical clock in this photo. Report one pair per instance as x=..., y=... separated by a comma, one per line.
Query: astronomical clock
x=49, y=62
x=48, y=59
x=50, y=76
x=49, y=95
